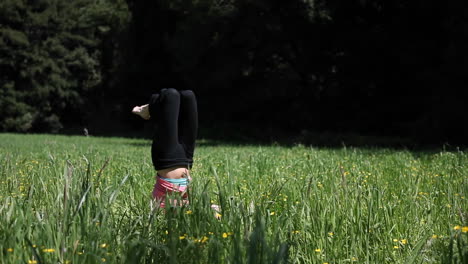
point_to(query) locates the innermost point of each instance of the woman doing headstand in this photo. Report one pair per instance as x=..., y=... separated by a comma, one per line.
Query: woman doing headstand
x=174, y=117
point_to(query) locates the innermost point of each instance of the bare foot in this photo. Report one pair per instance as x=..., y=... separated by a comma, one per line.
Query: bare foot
x=142, y=111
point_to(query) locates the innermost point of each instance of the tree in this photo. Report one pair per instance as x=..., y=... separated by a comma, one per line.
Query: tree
x=51, y=58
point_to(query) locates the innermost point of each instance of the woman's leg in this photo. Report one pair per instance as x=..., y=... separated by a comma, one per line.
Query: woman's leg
x=164, y=112
x=188, y=122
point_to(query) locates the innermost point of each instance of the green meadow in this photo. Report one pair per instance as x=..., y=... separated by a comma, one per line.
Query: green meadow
x=76, y=199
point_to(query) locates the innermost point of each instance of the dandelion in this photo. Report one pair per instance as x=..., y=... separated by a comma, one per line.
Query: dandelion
x=48, y=250
x=32, y=261
x=189, y=212
x=434, y=236
x=218, y=215
x=330, y=234
x=225, y=235
x=104, y=245
x=457, y=227
x=182, y=237
x=9, y=250
x=295, y=232
x=395, y=240
x=396, y=247
x=204, y=239
x=272, y=213
x=404, y=241
x=464, y=229
x=318, y=250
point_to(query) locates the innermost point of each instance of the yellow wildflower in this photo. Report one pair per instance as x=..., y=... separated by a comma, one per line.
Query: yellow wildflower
x=396, y=247
x=103, y=260
x=464, y=229
x=104, y=245
x=189, y=212
x=434, y=236
x=182, y=237
x=225, y=235
x=330, y=233
x=48, y=250
x=32, y=261
x=272, y=213
x=318, y=250
x=404, y=241
x=204, y=239
x=457, y=227
x=9, y=250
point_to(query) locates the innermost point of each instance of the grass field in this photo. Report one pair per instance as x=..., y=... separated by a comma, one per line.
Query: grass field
x=87, y=200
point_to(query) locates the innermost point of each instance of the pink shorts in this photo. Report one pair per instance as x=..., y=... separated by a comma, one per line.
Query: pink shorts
x=162, y=188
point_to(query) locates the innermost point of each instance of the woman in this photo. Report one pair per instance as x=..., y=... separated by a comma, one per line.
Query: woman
x=174, y=116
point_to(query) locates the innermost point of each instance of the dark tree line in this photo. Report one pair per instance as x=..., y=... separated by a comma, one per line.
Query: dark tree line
x=259, y=68
x=55, y=60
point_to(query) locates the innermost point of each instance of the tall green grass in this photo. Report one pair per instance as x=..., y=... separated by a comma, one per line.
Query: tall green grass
x=87, y=200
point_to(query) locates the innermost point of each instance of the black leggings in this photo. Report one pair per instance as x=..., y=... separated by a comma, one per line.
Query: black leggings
x=174, y=116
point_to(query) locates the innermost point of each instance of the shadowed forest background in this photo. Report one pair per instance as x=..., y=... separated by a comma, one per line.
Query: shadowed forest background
x=308, y=71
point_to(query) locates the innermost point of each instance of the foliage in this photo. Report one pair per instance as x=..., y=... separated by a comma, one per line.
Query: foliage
x=366, y=67
x=360, y=66
x=87, y=200
x=51, y=59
